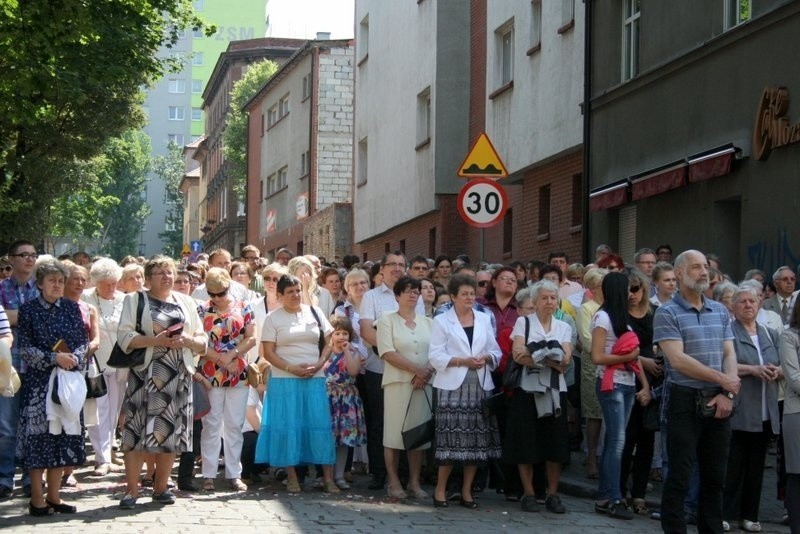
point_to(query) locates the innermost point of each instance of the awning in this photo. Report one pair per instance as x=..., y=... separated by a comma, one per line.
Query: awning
x=659, y=181
x=711, y=164
x=609, y=196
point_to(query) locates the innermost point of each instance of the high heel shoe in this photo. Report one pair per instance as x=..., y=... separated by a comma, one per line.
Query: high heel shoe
x=468, y=504
x=38, y=512
x=62, y=508
x=440, y=504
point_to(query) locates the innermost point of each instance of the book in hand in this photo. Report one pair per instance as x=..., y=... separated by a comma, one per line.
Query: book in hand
x=61, y=346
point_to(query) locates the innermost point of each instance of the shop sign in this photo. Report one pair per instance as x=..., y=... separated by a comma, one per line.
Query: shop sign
x=772, y=128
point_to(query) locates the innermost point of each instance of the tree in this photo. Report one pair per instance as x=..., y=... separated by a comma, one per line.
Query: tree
x=171, y=169
x=71, y=73
x=234, y=137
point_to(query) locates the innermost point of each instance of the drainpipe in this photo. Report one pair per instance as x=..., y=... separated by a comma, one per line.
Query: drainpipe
x=587, y=129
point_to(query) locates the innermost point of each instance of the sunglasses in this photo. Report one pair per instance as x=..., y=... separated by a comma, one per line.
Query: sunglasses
x=634, y=289
x=220, y=294
x=483, y=283
x=271, y=279
x=7, y=268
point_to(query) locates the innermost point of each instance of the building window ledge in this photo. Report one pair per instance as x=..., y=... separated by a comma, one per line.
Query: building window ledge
x=274, y=124
x=277, y=192
x=422, y=144
x=576, y=229
x=363, y=60
x=566, y=27
x=502, y=89
x=535, y=49
x=543, y=237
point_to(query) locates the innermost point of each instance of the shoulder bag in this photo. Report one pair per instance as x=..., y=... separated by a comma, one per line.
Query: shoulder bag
x=416, y=437
x=513, y=375
x=121, y=359
x=321, y=342
x=95, y=381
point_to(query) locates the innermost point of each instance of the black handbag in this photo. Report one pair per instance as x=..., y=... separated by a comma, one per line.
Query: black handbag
x=416, y=437
x=512, y=377
x=95, y=385
x=119, y=358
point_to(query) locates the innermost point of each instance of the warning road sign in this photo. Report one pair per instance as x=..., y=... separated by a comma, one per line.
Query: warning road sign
x=482, y=160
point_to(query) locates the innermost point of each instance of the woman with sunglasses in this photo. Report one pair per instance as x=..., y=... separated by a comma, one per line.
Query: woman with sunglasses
x=271, y=274
x=640, y=437
x=231, y=333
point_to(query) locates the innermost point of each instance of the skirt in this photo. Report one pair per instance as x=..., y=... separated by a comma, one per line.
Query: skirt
x=590, y=406
x=531, y=439
x=396, y=397
x=791, y=445
x=296, y=424
x=463, y=432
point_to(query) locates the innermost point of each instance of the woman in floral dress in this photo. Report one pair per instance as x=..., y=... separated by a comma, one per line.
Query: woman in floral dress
x=347, y=411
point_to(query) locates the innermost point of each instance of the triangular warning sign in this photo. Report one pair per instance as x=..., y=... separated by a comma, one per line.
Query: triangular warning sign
x=482, y=160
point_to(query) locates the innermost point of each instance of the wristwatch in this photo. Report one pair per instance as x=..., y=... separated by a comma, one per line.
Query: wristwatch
x=730, y=395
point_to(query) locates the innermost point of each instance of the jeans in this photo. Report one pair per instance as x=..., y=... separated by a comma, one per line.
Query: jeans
x=691, y=439
x=616, y=406
x=9, y=417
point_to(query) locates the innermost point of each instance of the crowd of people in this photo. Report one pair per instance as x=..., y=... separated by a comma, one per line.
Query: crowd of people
x=430, y=371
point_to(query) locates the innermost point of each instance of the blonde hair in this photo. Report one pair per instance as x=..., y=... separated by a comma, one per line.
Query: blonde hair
x=309, y=293
x=594, y=277
x=217, y=280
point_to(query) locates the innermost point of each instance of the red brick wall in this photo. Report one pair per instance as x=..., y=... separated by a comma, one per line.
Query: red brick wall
x=477, y=85
x=253, y=201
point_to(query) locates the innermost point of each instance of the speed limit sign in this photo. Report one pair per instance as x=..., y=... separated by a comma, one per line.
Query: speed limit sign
x=482, y=202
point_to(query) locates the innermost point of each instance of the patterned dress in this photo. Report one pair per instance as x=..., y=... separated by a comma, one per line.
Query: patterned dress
x=225, y=331
x=158, y=415
x=40, y=326
x=347, y=411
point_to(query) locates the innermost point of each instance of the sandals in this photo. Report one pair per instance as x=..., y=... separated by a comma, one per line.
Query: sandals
x=293, y=486
x=640, y=507
x=396, y=491
x=208, y=484
x=750, y=526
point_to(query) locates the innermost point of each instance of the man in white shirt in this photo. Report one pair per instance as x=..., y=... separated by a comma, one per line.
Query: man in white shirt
x=567, y=287
x=376, y=302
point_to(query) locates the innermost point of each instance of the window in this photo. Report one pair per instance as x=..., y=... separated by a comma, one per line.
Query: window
x=305, y=163
x=508, y=232
x=402, y=247
x=567, y=15
x=272, y=116
x=199, y=5
x=176, y=86
x=424, y=117
x=197, y=87
x=363, y=40
x=577, y=199
x=544, y=211
x=197, y=34
x=505, y=53
x=362, y=162
x=306, y=86
x=283, y=106
x=176, y=113
x=272, y=184
x=224, y=203
x=175, y=139
x=197, y=114
x=536, y=26
x=630, y=39
x=197, y=59
x=281, y=181
x=736, y=12
x=432, y=242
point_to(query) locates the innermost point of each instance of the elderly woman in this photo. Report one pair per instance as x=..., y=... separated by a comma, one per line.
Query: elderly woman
x=271, y=274
x=790, y=366
x=231, y=333
x=537, y=414
x=296, y=424
x=463, y=350
x=755, y=416
x=723, y=293
x=158, y=398
x=356, y=283
x=590, y=406
x=638, y=437
x=132, y=278
x=403, y=338
x=313, y=295
x=105, y=273
x=52, y=335
x=242, y=273
x=331, y=280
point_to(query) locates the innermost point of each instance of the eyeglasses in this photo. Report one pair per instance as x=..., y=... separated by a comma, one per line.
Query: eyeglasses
x=634, y=289
x=419, y=267
x=220, y=294
x=25, y=255
x=272, y=279
x=613, y=266
x=483, y=283
x=7, y=268
x=250, y=258
x=506, y=279
x=412, y=292
x=395, y=264
x=168, y=274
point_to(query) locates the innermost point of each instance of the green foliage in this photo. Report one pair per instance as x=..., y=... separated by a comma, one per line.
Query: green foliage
x=71, y=74
x=234, y=137
x=171, y=169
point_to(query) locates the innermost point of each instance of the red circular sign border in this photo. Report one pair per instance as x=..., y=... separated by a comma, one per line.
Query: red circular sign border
x=465, y=216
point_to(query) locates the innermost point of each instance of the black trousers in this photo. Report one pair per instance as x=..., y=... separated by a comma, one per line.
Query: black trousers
x=745, y=474
x=691, y=438
x=643, y=441
x=186, y=464
x=369, y=387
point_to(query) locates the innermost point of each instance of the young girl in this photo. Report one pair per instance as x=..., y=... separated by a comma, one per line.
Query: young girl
x=347, y=412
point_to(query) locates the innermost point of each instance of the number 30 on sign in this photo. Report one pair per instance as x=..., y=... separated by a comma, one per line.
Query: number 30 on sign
x=482, y=202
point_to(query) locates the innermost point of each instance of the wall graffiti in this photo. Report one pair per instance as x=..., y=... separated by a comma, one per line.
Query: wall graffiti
x=769, y=255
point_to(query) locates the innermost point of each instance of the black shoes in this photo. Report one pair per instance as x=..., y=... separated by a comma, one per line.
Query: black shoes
x=468, y=504
x=553, y=504
x=529, y=504
x=615, y=509
x=61, y=508
x=187, y=484
x=378, y=481
x=39, y=512
x=440, y=504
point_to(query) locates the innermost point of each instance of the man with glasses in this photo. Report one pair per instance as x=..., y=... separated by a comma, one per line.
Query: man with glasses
x=252, y=254
x=419, y=267
x=645, y=260
x=783, y=301
x=375, y=303
x=15, y=291
x=484, y=279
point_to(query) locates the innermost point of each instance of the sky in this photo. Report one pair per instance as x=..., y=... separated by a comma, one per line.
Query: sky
x=302, y=19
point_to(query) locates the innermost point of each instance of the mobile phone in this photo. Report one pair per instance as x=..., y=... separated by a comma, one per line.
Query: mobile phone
x=175, y=330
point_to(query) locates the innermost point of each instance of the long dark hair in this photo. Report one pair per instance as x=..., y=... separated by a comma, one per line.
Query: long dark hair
x=615, y=303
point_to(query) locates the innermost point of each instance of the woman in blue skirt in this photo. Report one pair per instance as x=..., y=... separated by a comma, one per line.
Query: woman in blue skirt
x=296, y=425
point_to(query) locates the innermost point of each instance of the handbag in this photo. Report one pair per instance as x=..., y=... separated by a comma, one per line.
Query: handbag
x=321, y=341
x=95, y=381
x=121, y=359
x=200, y=403
x=416, y=437
x=512, y=378
x=254, y=376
